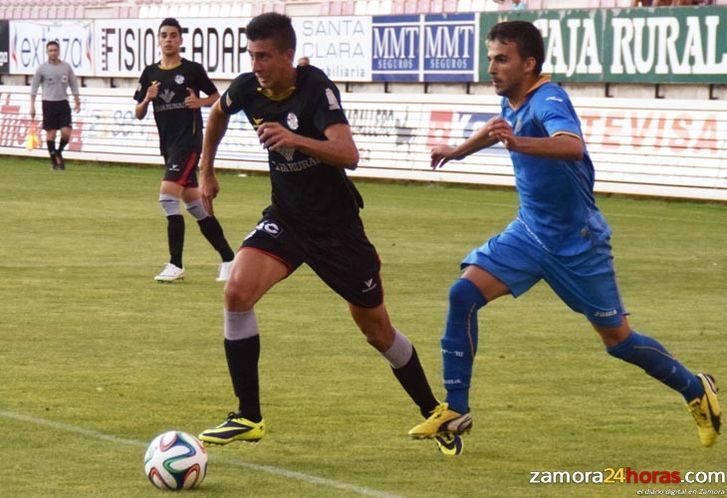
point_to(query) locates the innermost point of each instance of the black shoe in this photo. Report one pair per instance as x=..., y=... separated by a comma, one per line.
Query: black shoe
x=53, y=163
x=59, y=160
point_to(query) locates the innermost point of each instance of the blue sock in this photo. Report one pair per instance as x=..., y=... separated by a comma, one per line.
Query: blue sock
x=459, y=343
x=649, y=354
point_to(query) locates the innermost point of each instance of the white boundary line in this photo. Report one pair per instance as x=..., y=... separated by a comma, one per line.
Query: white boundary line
x=270, y=469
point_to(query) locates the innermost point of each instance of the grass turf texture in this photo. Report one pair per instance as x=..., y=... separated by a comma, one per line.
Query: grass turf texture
x=89, y=340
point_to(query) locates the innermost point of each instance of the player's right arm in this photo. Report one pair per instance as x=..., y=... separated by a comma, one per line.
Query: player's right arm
x=479, y=140
x=151, y=94
x=34, y=91
x=216, y=128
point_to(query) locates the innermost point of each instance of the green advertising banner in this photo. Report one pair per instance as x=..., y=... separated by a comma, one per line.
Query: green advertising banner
x=654, y=45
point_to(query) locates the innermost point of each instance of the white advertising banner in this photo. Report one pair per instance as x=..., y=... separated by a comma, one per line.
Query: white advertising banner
x=668, y=148
x=340, y=46
x=28, y=40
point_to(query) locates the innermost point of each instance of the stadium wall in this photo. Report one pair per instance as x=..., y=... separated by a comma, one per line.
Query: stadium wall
x=665, y=148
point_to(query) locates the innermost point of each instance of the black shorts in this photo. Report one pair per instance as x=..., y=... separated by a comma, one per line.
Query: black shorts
x=342, y=257
x=56, y=114
x=181, y=168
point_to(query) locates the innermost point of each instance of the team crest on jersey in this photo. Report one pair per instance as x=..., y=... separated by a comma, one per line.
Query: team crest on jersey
x=292, y=121
x=64, y=78
x=287, y=153
x=179, y=79
x=167, y=95
x=333, y=104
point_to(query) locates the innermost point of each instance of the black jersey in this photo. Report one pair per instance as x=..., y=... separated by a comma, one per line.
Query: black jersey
x=180, y=128
x=305, y=192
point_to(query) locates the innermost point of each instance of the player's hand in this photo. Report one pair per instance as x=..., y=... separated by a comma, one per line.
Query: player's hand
x=192, y=101
x=152, y=91
x=32, y=111
x=501, y=129
x=274, y=136
x=441, y=155
x=77, y=106
x=209, y=187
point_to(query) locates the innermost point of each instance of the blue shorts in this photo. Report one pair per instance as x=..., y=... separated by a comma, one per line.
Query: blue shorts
x=585, y=282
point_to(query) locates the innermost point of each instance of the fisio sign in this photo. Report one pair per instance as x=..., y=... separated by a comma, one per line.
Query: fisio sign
x=220, y=45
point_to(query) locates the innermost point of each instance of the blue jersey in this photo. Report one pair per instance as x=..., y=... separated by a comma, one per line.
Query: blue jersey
x=557, y=205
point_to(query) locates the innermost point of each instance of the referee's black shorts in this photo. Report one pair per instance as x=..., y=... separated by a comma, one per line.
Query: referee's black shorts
x=56, y=114
x=342, y=257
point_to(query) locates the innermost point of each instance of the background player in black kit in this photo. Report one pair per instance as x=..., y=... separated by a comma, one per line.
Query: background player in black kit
x=313, y=217
x=174, y=86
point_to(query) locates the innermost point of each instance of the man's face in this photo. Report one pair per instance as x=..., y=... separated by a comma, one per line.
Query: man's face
x=270, y=65
x=169, y=40
x=507, y=69
x=53, y=52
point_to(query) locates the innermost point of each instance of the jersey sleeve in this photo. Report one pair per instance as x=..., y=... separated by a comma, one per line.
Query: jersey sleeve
x=231, y=101
x=205, y=84
x=328, y=110
x=142, y=87
x=37, y=79
x=556, y=114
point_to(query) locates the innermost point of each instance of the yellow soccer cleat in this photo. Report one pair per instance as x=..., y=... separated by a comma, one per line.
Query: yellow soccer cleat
x=442, y=421
x=706, y=411
x=235, y=428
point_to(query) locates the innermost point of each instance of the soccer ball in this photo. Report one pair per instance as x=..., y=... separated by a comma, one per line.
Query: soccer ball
x=175, y=460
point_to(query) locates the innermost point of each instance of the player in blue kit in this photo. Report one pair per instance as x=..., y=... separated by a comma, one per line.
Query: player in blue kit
x=559, y=236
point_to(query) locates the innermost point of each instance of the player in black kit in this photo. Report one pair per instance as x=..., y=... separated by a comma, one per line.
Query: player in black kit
x=174, y=86
x=313, y=218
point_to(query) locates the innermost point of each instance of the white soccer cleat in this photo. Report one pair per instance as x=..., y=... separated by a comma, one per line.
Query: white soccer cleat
x=224, y=271
x=170, y=273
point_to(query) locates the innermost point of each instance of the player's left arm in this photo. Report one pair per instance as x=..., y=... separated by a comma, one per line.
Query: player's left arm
x=192, y=101
x=73, y=81
x=338, y=150
x=205, y=85
x=562, y=145
x=555, y=113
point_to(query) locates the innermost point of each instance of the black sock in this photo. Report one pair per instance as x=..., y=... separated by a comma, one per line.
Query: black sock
x=212, y=231
x=175, y=235
x=242, y=359
x=51, y=144
x=414, y=381
x=62, y=145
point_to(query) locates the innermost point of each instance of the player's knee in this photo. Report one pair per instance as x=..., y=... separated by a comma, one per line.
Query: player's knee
x=196, y=209
x=169, y=204
x=464, y=294
x=238, y=296
x=378, y=336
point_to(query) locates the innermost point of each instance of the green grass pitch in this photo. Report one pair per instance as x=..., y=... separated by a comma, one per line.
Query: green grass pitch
x=96, y=358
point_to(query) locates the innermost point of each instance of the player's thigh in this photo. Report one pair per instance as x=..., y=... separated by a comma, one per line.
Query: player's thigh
x=253, y=273
x=587, y=284
x=348, y=263
x=510, y=263
x=190, y=194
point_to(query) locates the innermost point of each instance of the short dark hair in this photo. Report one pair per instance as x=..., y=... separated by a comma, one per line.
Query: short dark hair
x=525, y=35
x=52, y=42
x=272, y=25
x=170, y=21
